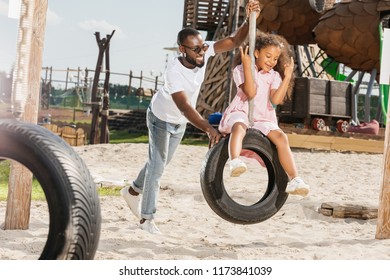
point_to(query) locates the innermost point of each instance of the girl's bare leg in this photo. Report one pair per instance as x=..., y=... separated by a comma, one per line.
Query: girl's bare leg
x=236, y=137
x=279, y=138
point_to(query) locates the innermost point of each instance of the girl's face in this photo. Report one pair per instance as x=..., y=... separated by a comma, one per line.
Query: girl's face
x=267, y=57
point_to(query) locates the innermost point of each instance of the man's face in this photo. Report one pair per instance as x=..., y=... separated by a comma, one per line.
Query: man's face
x=194, y=49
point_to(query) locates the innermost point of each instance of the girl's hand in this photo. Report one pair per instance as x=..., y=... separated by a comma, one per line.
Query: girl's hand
x=289, y=68
x=245, y=58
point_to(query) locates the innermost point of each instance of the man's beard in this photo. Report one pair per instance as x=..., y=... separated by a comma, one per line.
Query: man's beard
x=192, y=61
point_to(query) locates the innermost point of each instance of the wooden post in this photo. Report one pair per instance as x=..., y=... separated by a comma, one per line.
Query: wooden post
x=383, y=225
x=156, y=84
x=86, y=87
x=79, y=98
x=49, y=90
x=104, y=133
x=67, y=78
x=95, y=100
x=46, y=70
x=130, y=79
x=27, y=73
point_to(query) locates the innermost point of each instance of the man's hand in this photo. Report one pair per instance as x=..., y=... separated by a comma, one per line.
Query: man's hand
x=252, y=6
x=214, y=136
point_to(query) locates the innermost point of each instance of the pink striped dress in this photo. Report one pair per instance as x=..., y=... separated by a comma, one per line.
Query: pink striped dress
x=264, y=114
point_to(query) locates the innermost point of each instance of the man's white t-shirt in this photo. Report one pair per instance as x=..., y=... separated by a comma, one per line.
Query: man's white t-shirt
x=179, y=78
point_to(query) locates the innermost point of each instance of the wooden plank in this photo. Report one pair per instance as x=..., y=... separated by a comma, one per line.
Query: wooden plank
x=358, y=145
x=335, y=143
x=204, y=105
x=215, y=86
x=336, y=210
x=218, y=97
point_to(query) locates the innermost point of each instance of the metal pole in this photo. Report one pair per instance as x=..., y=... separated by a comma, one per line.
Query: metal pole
x=367, y=100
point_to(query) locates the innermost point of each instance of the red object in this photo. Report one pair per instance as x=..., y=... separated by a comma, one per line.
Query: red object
x=318, y=124
x=342, y=126
x=252, y=155
x=369, y=128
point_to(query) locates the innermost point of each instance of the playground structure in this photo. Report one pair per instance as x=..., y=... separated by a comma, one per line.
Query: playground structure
x=290, y=19
x=324, y=34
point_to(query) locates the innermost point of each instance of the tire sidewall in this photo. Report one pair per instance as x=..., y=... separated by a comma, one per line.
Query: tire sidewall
x=216, y=194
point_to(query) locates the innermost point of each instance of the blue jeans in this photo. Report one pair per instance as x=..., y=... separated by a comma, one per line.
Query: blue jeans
x=164, y=138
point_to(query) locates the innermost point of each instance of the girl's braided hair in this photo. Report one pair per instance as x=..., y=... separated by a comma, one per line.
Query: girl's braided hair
x=264, y=40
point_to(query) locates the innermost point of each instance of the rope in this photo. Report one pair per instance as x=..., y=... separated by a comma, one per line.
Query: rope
x=252, y=39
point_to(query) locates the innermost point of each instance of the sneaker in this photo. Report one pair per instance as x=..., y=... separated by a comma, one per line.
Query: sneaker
x=297, y=186
x=133, y=201
x=237, y=167
x=150, y=226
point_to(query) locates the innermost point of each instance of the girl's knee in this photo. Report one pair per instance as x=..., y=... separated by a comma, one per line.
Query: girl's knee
x=239, y=127
x=284, y=138
x=279, y=138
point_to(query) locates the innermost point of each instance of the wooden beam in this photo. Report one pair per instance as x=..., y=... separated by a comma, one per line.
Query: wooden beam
x=383, y=225
x=335, y=143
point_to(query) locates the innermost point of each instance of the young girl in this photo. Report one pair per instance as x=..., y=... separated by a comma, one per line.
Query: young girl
x=274, y=67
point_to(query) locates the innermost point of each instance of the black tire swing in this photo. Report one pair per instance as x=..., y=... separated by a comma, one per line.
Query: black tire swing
x=212, y=180
x=218, y=198
x=71, y=195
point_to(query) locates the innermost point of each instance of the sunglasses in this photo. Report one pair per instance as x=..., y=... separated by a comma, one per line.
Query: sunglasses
x=197, y=49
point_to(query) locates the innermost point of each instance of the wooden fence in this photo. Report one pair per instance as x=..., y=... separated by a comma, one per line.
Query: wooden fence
x=82, y=78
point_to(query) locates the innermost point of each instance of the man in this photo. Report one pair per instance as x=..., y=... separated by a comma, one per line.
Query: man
x=170, y=110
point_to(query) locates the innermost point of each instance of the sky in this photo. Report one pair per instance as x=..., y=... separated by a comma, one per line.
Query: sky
x=143, y=28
